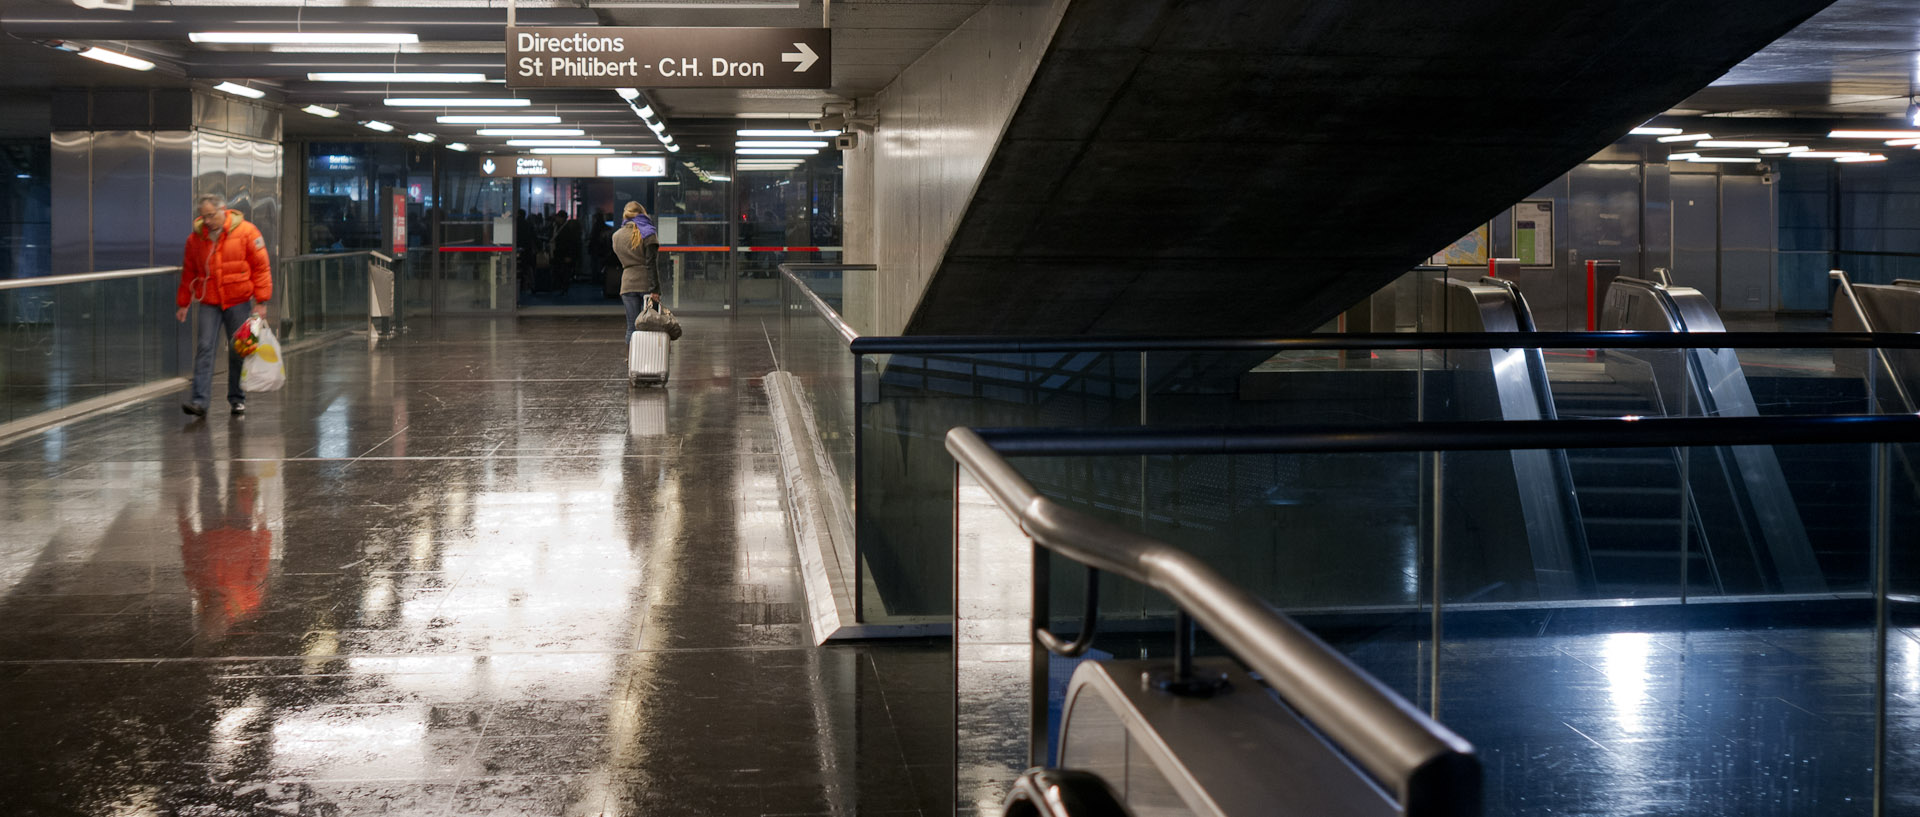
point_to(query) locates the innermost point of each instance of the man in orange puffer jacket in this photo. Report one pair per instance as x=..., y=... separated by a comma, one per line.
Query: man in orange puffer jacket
x=225, y=269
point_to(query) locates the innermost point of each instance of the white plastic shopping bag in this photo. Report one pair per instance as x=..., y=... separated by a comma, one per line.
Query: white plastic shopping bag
x=264, y=370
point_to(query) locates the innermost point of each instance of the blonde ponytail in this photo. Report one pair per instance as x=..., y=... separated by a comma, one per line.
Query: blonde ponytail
x=627, y=213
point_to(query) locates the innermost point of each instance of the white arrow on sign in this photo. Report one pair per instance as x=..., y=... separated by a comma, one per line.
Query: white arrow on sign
x=486, y=166
x=804, y=56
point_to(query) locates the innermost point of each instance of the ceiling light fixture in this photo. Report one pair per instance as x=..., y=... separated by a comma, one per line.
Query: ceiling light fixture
x=628, y=94
x=490, y=119
x=1825, y=154
x=421, y=137
x=1793, y=149
x=821, y=134
x=1733, y=143
x=360, y=76
x=567, y=151
x=459, y=146
x=1874, y=157
x=656, y=127
x=554, y=143
x=1902, y=143
x=1640, y=131
x=1681, y=157
x=774, y=144
x=302, y=38
x=241, y=90
x=378, y=125
x=455, y=102
x=1874, y=134
x=776, y=151
x=1728, y=160
x=673, y=148
x=117, y=58
x=530, y=132
x=316, y=110
x=1687, y=137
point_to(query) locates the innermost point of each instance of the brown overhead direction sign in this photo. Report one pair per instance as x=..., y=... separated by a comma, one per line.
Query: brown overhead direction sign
x=649, y=57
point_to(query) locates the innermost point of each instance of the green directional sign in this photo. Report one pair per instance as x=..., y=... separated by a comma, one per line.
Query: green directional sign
x=649, y=57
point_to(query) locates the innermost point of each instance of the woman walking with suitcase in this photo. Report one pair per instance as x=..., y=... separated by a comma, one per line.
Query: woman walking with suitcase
x=637, y=246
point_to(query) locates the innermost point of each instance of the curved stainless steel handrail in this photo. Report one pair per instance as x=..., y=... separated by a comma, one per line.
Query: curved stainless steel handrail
x=820, y=305
x=1420, y=762
x=83, y=277
x=1659, y=292
x=1866, y=322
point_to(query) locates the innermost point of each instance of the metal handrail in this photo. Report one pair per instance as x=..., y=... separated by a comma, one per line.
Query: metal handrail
x=1866, y=322
x=328, y=256
x=1461, y=435
x=83, y=277
x=1660, y=294
x=961, y=344
x=1420, y=762
x=847, y=332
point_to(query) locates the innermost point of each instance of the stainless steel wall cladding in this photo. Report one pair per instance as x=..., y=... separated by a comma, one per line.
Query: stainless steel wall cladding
x=246, y=172
x=235, y=117
x=1747, y=241
x=1696, y=232
x=122, y=199
x=72, y=180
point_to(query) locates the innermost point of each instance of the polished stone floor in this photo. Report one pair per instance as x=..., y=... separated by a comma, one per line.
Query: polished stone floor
x=467, y=572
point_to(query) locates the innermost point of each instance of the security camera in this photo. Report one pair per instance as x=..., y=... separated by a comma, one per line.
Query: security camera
x=847, y=141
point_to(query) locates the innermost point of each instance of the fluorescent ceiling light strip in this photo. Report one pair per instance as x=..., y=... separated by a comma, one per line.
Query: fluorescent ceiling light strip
x=1825, y=154
x=1681, y=157
x=459, y=146
x=554, y=143
x=776, y=144
x=1734, y=143
x=316, y=110
x=1687, y=137
x=422, y=137
x=530, y=132
x=303, y=38
x=628, y=94
x=378, y=125
x=565, y=151
x=1902, y=143
x=117, y=58
x=455, y=102
x=1793, y=149
x=492, y=119
x=357, y=76
x=1851, y=159
x=1654, y=131
x=1740, y=160
x=657, y=127
x=645, y=113
x=1874, y=134
x=802, y=132
x=673, y=148
x=776, y=151
x=241, y=90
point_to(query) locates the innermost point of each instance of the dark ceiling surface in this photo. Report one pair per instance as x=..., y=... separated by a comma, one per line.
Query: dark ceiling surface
x=1240, y=167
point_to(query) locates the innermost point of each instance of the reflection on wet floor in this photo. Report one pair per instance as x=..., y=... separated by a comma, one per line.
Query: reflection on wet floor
x=464, y=573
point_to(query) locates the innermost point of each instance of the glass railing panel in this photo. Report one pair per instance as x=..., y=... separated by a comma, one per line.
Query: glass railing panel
x=65, y=343
x=1726, y=681
x=809, y=348
x=322, y=294
x=1897, y=518
x=476, y=280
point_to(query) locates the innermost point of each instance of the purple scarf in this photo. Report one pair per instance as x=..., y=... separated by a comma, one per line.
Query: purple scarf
x=643, y=224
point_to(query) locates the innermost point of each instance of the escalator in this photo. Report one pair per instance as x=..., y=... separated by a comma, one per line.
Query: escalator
x=1647, y=522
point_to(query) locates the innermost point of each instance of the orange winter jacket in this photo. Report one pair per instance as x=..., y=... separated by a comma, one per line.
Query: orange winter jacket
x=235, y=271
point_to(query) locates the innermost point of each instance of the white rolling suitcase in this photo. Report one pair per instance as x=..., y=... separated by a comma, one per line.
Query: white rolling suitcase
x=647, y=358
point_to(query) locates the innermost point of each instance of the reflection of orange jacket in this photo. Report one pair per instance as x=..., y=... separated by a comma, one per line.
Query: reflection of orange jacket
x=228, y=566
x=236, y=271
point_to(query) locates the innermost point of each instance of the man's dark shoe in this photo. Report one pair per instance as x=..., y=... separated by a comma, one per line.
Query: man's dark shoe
x=194, y=409
x=240, y=408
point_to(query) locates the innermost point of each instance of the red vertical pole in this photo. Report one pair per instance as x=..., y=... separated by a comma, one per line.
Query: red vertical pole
x=1592, y=319
x=1493, y=266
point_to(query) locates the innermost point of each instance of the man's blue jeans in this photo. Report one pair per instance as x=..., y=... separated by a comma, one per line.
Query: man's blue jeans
x=215, y=329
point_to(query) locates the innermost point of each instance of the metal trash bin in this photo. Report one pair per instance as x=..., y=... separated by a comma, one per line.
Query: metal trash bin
x=382, y=303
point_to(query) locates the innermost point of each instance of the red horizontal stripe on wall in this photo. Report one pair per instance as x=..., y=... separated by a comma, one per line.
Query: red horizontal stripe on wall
x=476, y=249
